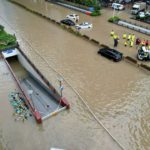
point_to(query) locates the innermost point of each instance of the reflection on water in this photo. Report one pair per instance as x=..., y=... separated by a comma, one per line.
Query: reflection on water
x=117, y=92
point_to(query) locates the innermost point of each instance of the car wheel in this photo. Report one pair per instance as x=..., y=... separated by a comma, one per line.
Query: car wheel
x=139, y=57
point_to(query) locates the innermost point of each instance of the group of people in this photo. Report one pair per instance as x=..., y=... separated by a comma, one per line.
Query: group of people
x=144, y=42
x=129, y=40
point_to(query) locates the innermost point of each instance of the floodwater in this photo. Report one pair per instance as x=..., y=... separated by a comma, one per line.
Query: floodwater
x=118, y=93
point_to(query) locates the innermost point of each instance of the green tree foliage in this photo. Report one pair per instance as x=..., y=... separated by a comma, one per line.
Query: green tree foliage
x=6, y=40
x=114, y=19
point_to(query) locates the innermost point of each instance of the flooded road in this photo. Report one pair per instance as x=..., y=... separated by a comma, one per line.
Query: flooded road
x=118, y=93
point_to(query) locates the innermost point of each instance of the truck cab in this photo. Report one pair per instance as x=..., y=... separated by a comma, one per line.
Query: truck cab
x=137, y=7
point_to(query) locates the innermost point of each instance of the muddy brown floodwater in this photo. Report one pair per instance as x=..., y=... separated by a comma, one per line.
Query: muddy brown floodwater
x=118, y=93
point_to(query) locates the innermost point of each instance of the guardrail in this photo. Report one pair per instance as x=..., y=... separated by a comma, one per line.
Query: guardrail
x=133, y=23
x=134, y=27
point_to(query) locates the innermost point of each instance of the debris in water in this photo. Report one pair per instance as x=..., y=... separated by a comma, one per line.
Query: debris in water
x=21, y=111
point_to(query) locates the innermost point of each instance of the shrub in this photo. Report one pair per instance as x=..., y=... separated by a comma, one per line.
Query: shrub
x=6, y=40
x=96, y=13
x=114, y=19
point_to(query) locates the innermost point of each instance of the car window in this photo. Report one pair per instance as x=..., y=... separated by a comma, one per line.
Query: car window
x=108, y=52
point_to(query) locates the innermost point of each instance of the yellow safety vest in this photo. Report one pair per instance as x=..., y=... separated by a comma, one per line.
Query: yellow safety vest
x=129, y=37
x=124, y=36
x=112, y=33
x=133, y=37
x=125, y=43
x=131, y=44
x=143, y=43
x=115, y=36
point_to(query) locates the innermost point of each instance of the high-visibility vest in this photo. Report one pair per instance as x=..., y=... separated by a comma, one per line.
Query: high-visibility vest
x=143, y=43
x=129, y=37
x=133, y=37
x=115, y=36
x=131, y=44
x=125, y=43
x=112, y=33
x=124, y=36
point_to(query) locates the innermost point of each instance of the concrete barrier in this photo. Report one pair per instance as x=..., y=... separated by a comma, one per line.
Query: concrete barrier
x=130, y=59
x=77, y=33
x=58, y=23
x=53, y=20
x=103, y=45
x=86, y=37
x=63, y=26
x=95, y=41
x=70, y=29
x=145, y=67
x=48, y=18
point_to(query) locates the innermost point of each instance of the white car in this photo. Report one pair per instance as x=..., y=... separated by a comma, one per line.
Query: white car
x=141, y=14
x=84, y=25
x=117, y=6
x=73, y=17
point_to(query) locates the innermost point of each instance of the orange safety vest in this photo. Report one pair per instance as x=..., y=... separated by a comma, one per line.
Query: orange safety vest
x=143, y=43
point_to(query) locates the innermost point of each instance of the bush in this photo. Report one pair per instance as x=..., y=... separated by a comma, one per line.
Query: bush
x=114, y=19
x=96, y=13
x=6, y=40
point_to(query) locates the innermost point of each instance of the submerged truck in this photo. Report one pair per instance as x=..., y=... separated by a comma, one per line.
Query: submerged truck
x=138, y=7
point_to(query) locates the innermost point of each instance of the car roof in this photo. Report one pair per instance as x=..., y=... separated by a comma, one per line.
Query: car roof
x=84, y=23
x=72, y=15
x=115, y=4
x=67, y=20
x=111, y=50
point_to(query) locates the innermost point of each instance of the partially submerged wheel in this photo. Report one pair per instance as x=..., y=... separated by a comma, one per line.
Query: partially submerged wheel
x=140, y=57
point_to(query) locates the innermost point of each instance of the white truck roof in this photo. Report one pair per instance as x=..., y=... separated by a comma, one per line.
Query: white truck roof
x=135, y=6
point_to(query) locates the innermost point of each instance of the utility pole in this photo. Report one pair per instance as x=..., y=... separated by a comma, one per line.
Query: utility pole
x=61, y=86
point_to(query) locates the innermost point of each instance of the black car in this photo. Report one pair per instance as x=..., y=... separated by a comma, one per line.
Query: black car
x=68, y=22
x=111, y=53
